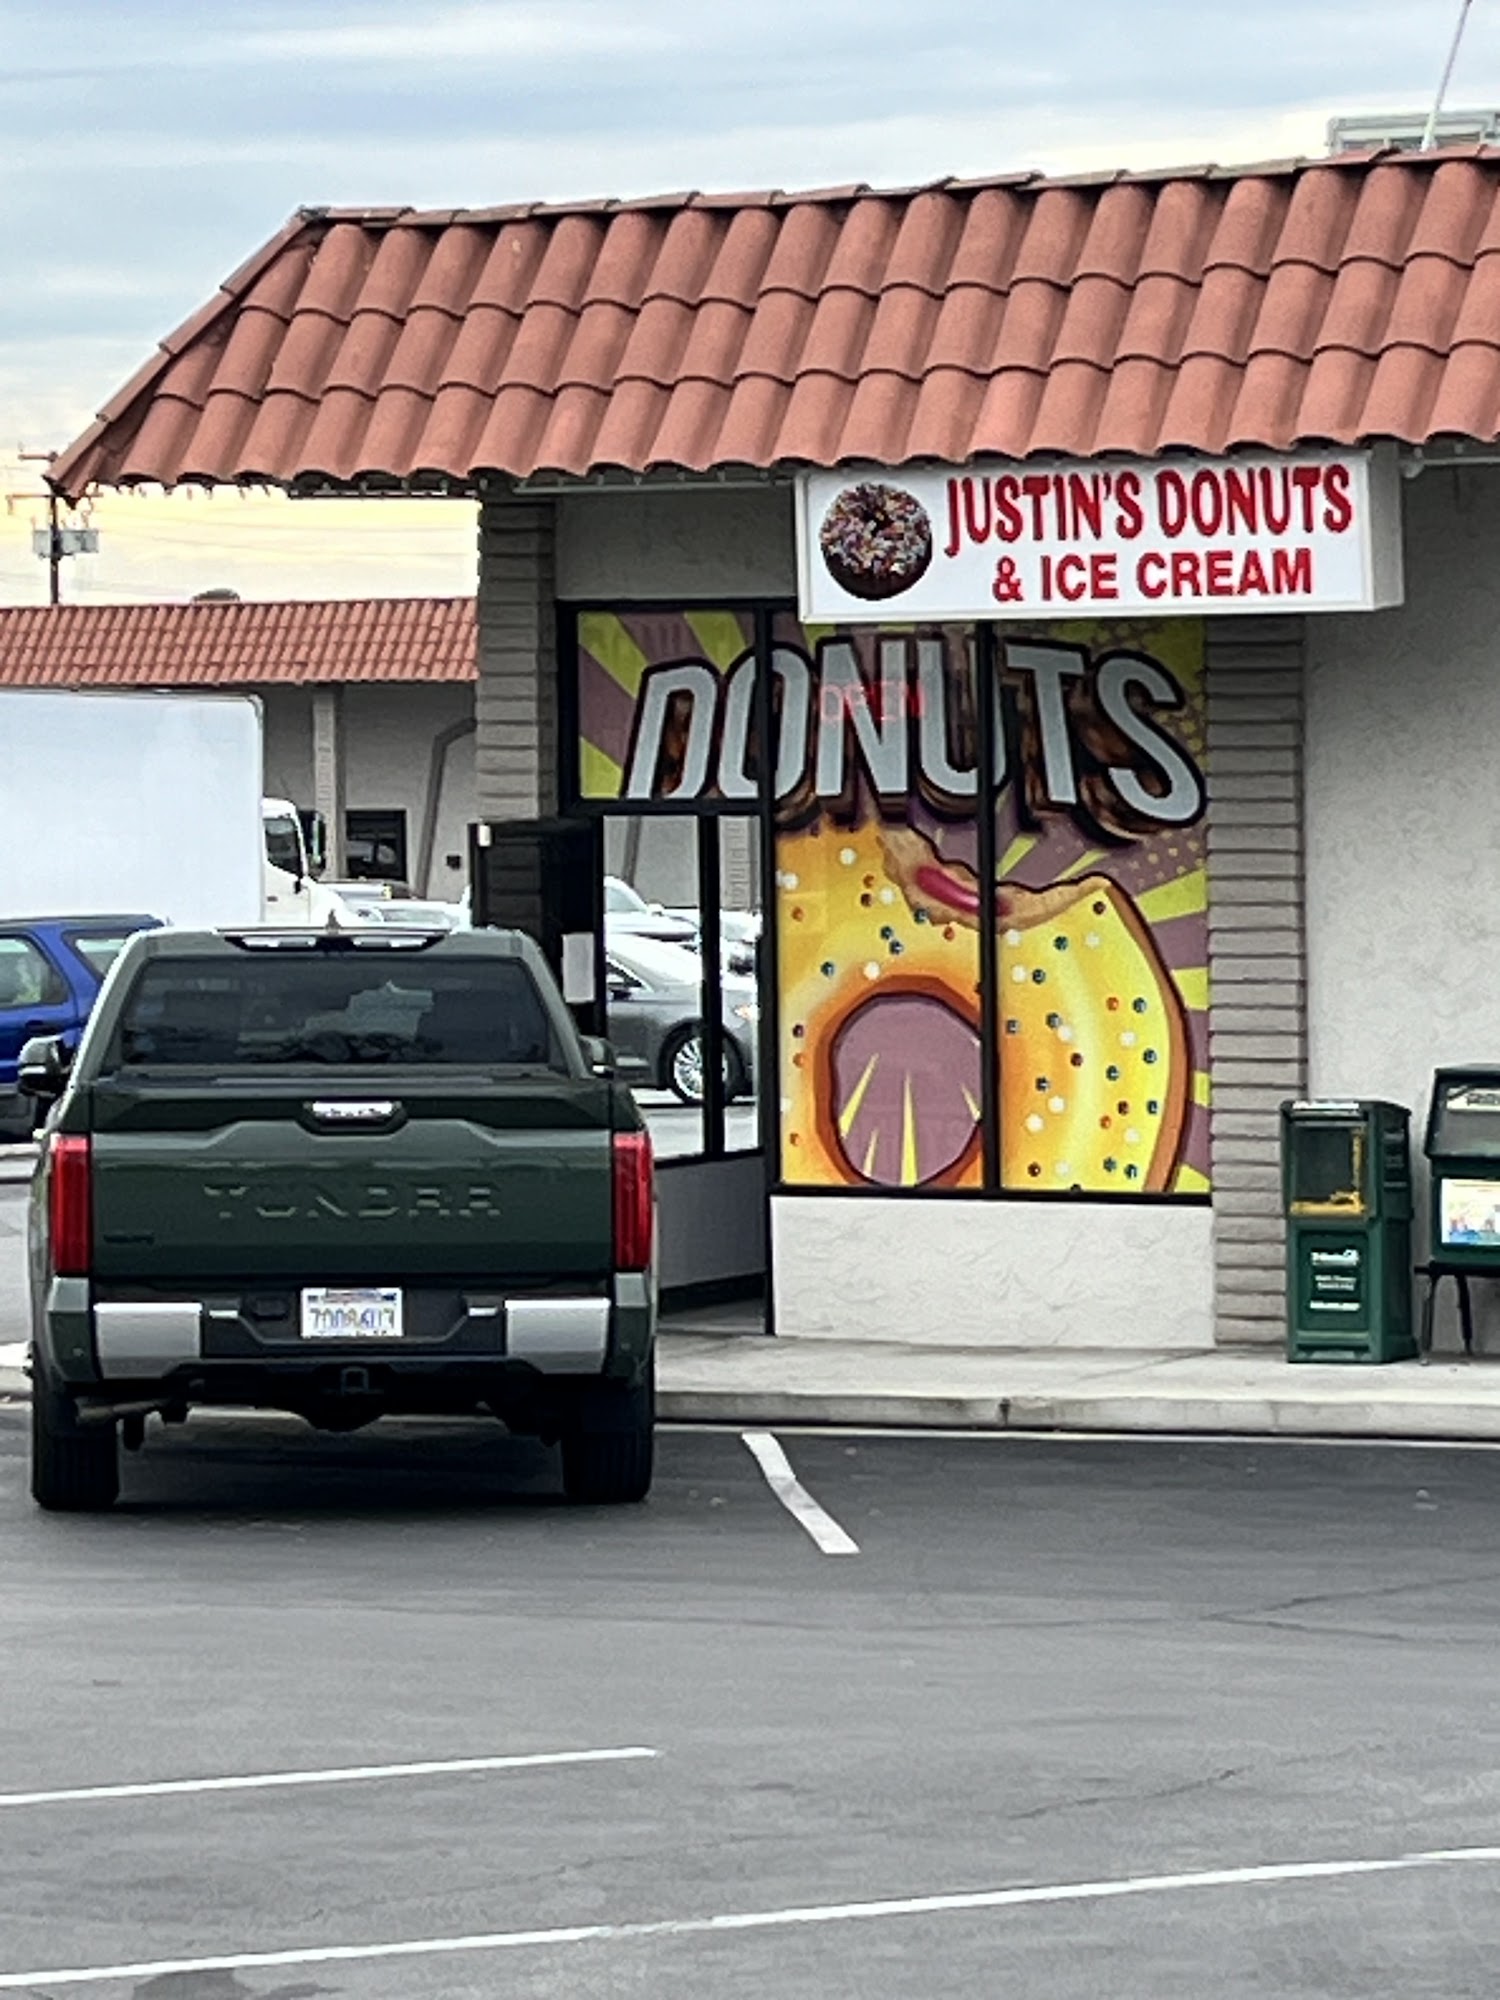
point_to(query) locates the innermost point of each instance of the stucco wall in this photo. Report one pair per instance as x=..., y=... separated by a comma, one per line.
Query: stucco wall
x=288, y=743
x=993, y=1274
x=1403, y=816
x=734, y=542
x=388, y=735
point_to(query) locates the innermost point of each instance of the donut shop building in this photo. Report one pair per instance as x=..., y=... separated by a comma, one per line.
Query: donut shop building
x=1067, y=612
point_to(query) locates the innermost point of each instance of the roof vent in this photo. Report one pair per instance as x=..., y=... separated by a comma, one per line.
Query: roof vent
x=1404, y=130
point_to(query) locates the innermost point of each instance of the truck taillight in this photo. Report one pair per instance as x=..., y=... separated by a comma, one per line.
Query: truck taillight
x=634, y=1206
x=70, y=1195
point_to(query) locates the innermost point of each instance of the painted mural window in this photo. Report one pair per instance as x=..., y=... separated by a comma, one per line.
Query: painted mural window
x=1101, y=910
x=882, y=1076
x=1042, y=1031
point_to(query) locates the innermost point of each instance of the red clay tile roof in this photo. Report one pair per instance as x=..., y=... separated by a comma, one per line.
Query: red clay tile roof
x=1333, y=300
x=237, y=644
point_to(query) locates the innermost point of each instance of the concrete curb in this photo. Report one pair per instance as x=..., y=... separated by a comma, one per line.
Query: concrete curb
x=1160, y=1416
x=1436, y=1416
x=1308, y=1416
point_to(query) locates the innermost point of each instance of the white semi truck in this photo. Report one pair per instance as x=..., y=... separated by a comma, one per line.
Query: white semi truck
x=148, y=803
x=291, y=893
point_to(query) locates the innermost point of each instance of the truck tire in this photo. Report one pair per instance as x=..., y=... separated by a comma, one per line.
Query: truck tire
x=607, y=1454
x=75, y=1468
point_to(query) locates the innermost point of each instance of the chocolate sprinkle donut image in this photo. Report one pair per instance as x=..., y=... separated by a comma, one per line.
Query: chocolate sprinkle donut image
x=876, y=540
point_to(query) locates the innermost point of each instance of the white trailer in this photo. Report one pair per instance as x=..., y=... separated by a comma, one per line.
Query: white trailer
x=147, y=803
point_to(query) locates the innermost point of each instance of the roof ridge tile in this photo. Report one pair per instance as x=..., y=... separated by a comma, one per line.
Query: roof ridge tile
x=237, y=642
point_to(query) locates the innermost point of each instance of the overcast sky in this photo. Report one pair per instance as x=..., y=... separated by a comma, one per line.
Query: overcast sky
x=149, y=145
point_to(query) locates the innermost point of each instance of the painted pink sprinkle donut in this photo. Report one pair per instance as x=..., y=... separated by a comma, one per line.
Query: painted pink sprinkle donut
x=876, y=540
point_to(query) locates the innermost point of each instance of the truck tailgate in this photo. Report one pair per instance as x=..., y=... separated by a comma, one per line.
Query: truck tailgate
x=467, y=1178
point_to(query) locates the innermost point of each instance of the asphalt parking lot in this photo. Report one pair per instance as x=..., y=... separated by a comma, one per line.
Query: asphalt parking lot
x=677, y=1129
x=1104, y=1671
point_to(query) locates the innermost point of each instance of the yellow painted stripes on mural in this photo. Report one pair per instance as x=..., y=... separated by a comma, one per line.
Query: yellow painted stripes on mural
x=1186, y=897
x=721, y=634
x=975, y=1111
x=870, y=1151
x=604, y=635
x=856, y=1098
x=1190, y=1180
x=1017, y=852
x=1201, y=1087
x=1082, y=865
x=1192, y=984
x=599, y=776
x=908, y=1140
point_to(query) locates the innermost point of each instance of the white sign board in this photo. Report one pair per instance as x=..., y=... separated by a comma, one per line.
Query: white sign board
x=1088, y=539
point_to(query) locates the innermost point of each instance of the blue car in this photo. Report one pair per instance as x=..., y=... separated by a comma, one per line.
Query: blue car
x=51, y=969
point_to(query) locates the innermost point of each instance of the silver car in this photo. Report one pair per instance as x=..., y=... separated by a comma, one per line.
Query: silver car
x=656, y=1019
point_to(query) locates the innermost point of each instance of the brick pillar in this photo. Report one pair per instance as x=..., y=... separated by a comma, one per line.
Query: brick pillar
x=328, y=773
x=1257, y=957
x=515, y=706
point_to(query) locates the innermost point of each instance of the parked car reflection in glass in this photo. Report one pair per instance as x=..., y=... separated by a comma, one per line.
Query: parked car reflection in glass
x=656, y=1019
x=627, y=914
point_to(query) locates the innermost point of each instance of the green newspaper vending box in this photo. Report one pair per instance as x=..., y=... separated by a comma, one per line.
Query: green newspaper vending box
x=1346, y=1185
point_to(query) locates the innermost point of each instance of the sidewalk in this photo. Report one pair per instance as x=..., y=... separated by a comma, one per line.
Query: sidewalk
x=1242, y=1392
x=727, y=1380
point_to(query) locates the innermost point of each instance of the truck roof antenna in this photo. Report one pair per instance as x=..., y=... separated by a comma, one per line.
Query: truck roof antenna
x=1430, y=134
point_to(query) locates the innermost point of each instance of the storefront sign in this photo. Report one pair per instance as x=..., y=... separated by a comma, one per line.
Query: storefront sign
x=1150, y=538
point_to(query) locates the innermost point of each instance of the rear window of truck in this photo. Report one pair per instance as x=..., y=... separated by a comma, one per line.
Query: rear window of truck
x=341, y=1012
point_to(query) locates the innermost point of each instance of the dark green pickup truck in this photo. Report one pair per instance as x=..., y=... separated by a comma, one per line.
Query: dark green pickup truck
x=345, y=1174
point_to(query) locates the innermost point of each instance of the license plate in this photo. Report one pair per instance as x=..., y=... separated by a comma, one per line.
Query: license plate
x=358, y=1312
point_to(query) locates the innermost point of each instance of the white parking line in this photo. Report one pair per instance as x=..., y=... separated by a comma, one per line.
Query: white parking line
x=757, y=1920
x=796, y=1499
x=348, y=1774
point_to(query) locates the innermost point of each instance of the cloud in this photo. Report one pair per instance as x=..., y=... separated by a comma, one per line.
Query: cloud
x=520, y=31
x=97, y=283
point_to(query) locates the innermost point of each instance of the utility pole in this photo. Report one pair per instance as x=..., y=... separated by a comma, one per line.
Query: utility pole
x=55, y=541
x=54, y=551
x=54, y=538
